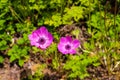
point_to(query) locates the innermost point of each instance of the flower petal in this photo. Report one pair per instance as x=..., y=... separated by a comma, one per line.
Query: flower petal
x=42, y=47
x=69, y=39
x=76, y=43
x=50, y=37
x=33, y=36
x=42, y=31
x=47, y=43
x=63, y=40
x=62, y=49
x=72, y=51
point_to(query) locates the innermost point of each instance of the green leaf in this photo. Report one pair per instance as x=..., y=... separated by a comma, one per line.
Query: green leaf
x=1, y=59
x=32, y=1
x=76, y=33
x=3, y=45
x=96, y=64
x=20, y=41
x=21, y=62
x=12, y=58
x=3, y=1
x=2, y=22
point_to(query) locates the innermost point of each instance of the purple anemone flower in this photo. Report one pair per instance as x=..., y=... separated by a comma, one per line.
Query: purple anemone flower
x=67, y=45
x=41, y=38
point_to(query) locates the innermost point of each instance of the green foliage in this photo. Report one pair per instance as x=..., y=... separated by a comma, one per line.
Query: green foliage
x=3, y=45
x=105, y=28
x=88, y=47
x=78, y=64
x=66, y=14
x=76, y=33
x=18, y=18
x=76, y=10
x=55, y=20
x=52, y=51
x=18, y=53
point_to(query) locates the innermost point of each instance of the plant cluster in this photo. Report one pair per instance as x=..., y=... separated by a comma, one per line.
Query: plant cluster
x=22, y=24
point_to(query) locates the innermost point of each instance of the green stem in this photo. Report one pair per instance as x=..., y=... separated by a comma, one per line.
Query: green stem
x=56, y=59
x=62, y=9
x=115, y=9
x=16, y=15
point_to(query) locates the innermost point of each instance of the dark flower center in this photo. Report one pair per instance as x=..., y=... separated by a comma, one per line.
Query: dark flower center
x=41, y=41
x=67, y=47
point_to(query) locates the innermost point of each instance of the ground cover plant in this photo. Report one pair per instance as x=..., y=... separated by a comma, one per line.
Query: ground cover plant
x=59, y=40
